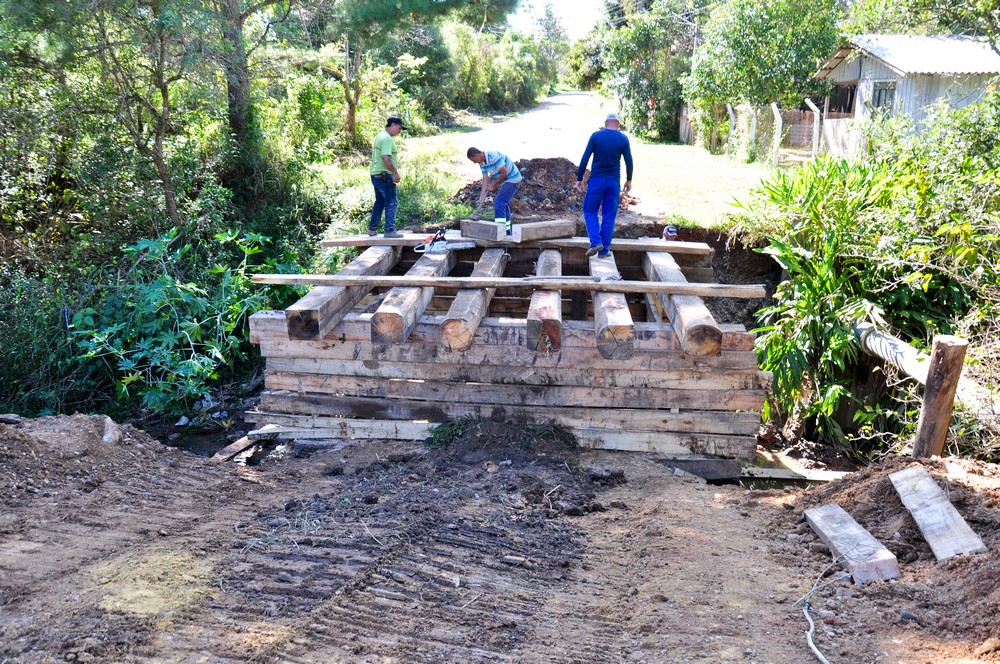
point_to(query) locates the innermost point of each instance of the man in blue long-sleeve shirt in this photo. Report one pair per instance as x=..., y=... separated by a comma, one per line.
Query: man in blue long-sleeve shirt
x=608, y=146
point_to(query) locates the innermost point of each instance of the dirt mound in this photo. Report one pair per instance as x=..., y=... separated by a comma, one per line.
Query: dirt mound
x=548, y=190
x=959, y=598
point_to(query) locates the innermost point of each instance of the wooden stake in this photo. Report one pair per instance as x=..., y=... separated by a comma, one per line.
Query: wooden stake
x=544, y=319
x=943, y=372
x=471, y=304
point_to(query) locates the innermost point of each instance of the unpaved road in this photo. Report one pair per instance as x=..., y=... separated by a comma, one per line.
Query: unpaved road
x=506, y=546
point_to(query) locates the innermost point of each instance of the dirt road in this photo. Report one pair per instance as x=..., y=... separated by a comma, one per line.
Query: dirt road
x=677, y=181
x=507, y=545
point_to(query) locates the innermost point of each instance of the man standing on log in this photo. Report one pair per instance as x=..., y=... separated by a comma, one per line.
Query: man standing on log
x=500, y=174
x=609, y=146
x=385, y=176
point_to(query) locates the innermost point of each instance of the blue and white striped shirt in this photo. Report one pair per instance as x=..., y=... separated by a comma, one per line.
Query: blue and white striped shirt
x=496, y=161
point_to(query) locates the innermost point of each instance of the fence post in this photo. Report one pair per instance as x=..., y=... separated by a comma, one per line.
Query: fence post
x=816, y=120
x=777, y=134
x=732, y=128
x=943, y=372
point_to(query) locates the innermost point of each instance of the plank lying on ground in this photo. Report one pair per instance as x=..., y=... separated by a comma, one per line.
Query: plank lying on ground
x=696, y=328
x=481, y=230
x=748, y=379
x=853, y=546
x=301, y=427
x=543, y=230
x=315, y=314
x=561, y=283
x=613, y=323
x=739, y=447
x=544, y=318
x=458, y=329
x=940, y=523
x=240, y=444
x=570, y=357
x=581, y=243
x=788, y=468
x=704, y=466
x=398, y=314
x=526, y=395
x=498, y=331
x=731, y=423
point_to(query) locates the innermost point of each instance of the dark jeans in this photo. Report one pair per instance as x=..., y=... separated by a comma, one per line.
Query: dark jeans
x=603, y=194
x=385, y=199
x=501, y=202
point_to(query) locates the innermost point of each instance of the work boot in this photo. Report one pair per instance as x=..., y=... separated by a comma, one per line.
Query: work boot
x=372, y=232
x=597, y=248
x=392, y=234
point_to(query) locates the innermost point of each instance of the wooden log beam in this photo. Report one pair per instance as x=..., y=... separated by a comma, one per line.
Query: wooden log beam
x=316, y=313
x=482, y=230
x=543, y=230
x=399, y=312
x=544, y=319
x=943, y=372
x=560, y=283
x=612, y=321
x=696, y=328
x=471, y=304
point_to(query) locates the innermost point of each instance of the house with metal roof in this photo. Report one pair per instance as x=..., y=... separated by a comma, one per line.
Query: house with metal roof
x=904, y=75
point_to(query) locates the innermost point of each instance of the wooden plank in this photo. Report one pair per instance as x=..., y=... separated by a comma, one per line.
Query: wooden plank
x=944, y=371
x=784, y=467
x=738, y=447
x=720, y=422
x=554, y=283
x=242, y=443
x=315, y=314
x=705, y=467
x=519, y=395
x=696, y=328
x=497, y=331
x=458, y=329
x=572, y=357
x=519, y=375
x=302, y=427
x=544, y=318
x=543, y=230
x=483, y=230
x=851, y=545
x=613, y=323
x=940, y=523
x=398, y=314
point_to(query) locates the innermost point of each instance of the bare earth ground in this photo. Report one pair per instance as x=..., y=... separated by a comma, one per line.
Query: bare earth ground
x=508, y=545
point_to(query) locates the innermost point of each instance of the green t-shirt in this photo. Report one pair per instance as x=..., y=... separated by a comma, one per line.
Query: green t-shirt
x=383, y=145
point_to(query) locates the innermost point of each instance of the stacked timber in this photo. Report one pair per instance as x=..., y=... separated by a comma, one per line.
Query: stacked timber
x=627, y=370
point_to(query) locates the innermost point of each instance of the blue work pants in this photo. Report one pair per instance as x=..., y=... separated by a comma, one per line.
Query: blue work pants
x=385, y=199
x=602, y=194
x=501, y=202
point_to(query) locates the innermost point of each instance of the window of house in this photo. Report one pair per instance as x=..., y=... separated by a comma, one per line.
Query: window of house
x=883, y=96
x=842, y=98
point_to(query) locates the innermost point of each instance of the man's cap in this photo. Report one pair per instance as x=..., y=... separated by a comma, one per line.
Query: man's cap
x=395, y=120
x=612, y=116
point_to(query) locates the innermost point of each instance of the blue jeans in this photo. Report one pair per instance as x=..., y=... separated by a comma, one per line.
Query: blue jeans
x=385, y=199
x=501, y=202
x=603, y=194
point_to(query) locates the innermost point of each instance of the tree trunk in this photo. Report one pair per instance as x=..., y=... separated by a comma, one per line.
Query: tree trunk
x=352, y=91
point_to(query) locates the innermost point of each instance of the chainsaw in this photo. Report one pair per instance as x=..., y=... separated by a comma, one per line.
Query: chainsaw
x=437, y=244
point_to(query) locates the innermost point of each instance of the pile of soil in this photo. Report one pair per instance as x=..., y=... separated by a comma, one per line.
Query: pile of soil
x=548, y=190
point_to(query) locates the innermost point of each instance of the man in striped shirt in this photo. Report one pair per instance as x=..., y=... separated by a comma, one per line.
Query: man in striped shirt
x=499, y=175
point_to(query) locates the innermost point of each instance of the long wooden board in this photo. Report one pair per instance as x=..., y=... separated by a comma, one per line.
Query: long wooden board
x=315, y=314
x=544, y=317
x=940, y=523
x=398, y=314
x=561, y=283
x=696, y=328
x=302, y=427
x=853, y=546
x=458, y=329
x=613, y=324
x=634, y=419
x=499, y=331
x=526, y=395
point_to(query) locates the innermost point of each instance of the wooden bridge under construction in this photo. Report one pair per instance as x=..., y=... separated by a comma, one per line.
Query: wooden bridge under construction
x=620, y=350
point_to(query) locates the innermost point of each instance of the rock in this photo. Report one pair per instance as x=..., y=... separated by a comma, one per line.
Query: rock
x=988, y=646
x=183, y=422
x=10, y=418
x=906, y=615
x=110, y=433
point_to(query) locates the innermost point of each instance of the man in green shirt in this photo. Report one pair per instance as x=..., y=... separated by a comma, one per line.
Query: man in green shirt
x=385, y=176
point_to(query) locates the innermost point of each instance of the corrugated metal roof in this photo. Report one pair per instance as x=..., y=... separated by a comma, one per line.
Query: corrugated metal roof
x=921, y=54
